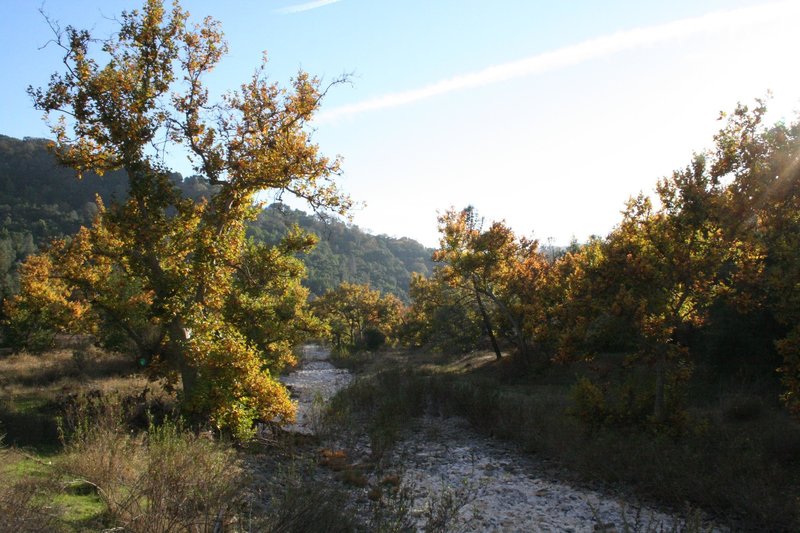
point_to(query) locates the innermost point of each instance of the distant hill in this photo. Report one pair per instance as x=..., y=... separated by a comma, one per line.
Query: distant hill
x=41, y=200
x=345, y=253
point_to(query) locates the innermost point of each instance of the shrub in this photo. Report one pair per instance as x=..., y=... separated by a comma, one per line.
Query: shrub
x=589, y=402
x=23, y=512
x=387, y=400
x=628, y=400
x=298, y=502
x=164, y=479
x=24, y=428
x=373, y=339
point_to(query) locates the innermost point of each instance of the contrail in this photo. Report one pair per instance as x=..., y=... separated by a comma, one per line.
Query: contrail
x=574, y=54
x=308, y=6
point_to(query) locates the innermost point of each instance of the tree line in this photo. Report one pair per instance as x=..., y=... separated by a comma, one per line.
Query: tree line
x=707, y=272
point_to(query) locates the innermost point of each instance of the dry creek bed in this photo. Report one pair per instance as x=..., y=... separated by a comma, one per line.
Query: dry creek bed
x=487, y=485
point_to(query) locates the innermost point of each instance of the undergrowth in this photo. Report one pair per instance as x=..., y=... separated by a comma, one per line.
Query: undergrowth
x=24, y=506
x=166, y=478
x=738, y=460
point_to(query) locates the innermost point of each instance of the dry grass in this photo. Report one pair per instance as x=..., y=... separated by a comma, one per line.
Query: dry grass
x=464, y=364
x=35, y=389
x=123, y=464
x=737, y=459
x=165, y=479
x=60, y=371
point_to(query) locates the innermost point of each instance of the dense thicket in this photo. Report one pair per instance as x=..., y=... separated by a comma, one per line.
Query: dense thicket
x=702, y=281
x=41, y=200
x=359, y=318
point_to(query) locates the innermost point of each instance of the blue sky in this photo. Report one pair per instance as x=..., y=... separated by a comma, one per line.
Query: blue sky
x=545, y=114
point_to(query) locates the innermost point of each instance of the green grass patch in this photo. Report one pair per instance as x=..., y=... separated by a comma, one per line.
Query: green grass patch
x=81, y=512
x=20, y=465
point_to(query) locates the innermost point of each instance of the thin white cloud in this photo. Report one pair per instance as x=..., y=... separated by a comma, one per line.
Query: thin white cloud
x=575, y=54
x=308, y=6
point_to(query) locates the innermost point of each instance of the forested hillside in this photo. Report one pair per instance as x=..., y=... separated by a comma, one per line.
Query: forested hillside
x=347, y=254
x=40, y=200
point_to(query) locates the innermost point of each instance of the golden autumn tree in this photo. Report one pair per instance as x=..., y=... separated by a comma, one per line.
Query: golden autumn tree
x=758, y=169
x=175, y=279
x=504, y=274
x=669, y=269
x=359, y=317
x=652, y=279
x=458, y=231
x=441, y=316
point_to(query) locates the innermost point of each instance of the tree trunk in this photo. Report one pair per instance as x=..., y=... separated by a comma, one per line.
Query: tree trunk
x=176, y=353
x=488, y=325
x=661, y=369
x=523, y=348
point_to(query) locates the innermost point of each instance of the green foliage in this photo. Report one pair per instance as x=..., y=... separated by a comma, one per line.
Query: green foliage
x=589, y=402
x=441, y=317
x=41, y=200
x=345, y=254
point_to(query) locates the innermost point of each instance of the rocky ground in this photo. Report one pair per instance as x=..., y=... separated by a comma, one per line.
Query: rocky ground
x=496, y=488
x=453, y=477
x=312, y=385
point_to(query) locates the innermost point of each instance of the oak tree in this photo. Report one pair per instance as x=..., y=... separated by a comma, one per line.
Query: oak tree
x=359, y=317
x=653, y=279
x=441, y=316
x=504, y=274
x=758, y=171
x=172, y=278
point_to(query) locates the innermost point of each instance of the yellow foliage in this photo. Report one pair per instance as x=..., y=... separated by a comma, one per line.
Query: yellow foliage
x=169, y=279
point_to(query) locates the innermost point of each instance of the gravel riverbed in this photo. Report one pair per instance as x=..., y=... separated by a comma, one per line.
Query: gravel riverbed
x=312, y=385
x=499, y=488
x=483, y=484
